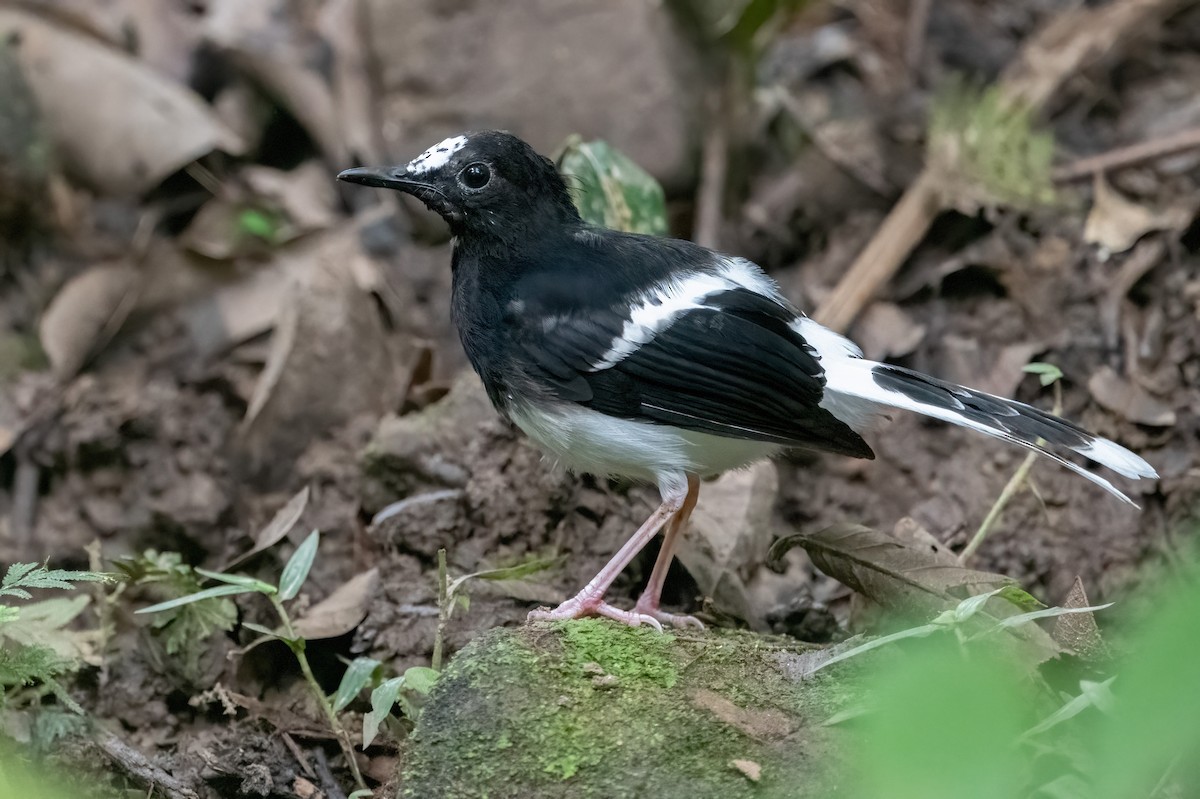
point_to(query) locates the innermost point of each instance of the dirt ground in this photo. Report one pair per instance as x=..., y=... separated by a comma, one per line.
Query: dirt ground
x=196, y=322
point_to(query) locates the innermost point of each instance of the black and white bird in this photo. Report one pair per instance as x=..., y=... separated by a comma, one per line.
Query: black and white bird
x=658, y=360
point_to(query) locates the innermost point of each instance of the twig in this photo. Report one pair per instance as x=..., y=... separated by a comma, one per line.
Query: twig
x=25, y=498
x=135, y=764
x=914, y=36
x=714, y=167
x=332, y=789
x=899, y=234
x=443, y=612
x=1010, y=489
x=1070, y=42
x=1129, y=155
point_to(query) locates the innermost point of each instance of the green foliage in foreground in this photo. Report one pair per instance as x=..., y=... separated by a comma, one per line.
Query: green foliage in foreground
x=954, y=720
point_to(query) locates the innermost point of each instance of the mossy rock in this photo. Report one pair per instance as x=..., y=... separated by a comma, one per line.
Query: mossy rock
x=593, y=708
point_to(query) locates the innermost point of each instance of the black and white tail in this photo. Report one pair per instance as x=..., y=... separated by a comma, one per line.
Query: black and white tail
x=859, y=391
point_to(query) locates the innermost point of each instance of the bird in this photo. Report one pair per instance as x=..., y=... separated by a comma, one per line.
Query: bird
x=658, y=360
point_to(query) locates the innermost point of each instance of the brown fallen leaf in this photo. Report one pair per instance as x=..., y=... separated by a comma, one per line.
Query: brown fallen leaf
x=761, y=725
x=269, y=42
x=162, y=125
x=341, y=611
x=1128, y=399
x=891, y=572
x=282, y=522
x=85, y=313
x=1115, y=222
x=1078, y=632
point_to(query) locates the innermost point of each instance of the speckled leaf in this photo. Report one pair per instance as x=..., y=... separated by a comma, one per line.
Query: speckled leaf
x=611, y=190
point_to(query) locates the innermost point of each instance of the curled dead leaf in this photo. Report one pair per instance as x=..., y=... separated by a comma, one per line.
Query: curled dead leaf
x=341, y=611
x=1128, y=399
x=1115, y=222
x=161, y=125
x=85, y=313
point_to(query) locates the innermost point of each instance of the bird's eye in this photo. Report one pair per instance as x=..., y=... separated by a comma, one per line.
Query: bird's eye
x=475, y=176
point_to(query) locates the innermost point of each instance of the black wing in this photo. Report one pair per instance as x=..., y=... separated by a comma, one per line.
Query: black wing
x=732, y=367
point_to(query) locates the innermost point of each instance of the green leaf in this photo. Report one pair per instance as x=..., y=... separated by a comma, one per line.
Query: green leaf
x=1047, y=373
x=610, y=190
x=296, y=570
x=361, y=793
x=207, y=593
x=1091, y=694
x=875, y=643
x=421, y=679
x=357, y=675
x=972, y=605
x=22, y=576
x=239, y=579
x=514, y=572
x=1047, y=613
x=382, y=699
x=259, y=224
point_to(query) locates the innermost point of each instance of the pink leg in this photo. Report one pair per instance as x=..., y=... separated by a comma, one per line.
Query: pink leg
x=590, y=601
x=647, y=603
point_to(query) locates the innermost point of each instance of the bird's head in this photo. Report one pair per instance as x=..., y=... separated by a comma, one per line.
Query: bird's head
x=489, y=184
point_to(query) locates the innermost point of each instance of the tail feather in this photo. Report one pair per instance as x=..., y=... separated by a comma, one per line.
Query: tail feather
x=857, y=390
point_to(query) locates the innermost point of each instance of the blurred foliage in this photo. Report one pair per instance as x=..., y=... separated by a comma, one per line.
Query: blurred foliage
x=985, y=150
x=953, y=718
x=610, y=190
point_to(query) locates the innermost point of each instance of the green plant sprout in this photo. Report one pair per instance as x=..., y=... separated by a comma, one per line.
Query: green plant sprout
x=295, y=572
x=1048, y=375
x=449, y=596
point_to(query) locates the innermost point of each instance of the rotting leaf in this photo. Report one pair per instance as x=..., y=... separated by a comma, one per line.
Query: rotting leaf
x=1078, y=632
x=283, y=341
x=611, y=190
x=1129, y=399
x=85, y=313
x=341, y=611
x=889, y=571
x=279, y=526
x=162, y=125
x=1115, y=223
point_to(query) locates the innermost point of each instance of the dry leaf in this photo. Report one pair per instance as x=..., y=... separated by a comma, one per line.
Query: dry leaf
x=1115, y=223
x=283, y=521
x=266, y=42
x=117, y=123
x=1078, y=632
x=891, y=572
x=341, y=611
x=306, y=194
x=1128, y=399
x=85, y=313
x=282, y=342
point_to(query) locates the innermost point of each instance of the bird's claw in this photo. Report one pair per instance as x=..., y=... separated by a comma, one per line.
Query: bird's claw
x=575, y=608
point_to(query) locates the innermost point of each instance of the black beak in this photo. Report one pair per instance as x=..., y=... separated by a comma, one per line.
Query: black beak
x=383, y=178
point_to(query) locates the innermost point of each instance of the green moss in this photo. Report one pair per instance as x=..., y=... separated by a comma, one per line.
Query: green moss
x=526, y=713
x=634, y=655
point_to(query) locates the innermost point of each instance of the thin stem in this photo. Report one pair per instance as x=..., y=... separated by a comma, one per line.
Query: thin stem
x=1010, y=489
x=443, y=611
x=296, y=644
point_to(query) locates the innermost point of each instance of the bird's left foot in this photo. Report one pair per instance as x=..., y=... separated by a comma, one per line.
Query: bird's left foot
x=577, y=608
x=646, y=607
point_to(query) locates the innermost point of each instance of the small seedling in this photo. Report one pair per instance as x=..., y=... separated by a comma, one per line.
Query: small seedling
x=295, y=572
